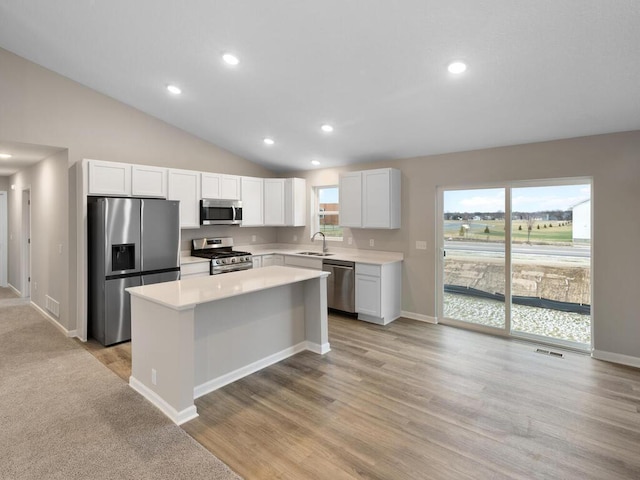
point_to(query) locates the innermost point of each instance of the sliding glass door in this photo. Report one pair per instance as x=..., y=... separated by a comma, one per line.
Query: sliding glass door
x=517, y=260
x=474, y=256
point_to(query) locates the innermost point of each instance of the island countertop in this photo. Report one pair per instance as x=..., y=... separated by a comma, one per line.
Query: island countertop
x=186, y=294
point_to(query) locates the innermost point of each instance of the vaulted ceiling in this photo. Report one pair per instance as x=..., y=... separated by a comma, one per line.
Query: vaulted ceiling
x=375, y=70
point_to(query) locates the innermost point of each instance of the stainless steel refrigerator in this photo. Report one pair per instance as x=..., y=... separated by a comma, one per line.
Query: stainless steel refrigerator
x=132, y=242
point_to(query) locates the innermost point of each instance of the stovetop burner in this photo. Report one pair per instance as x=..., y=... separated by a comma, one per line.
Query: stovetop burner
x=220, y=251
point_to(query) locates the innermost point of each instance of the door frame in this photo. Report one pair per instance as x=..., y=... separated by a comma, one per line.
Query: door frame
x=440, y=260
x=4, y=245
x=25, y=242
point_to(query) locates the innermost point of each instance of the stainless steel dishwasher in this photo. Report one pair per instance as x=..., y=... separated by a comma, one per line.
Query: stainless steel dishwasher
x=341, y=284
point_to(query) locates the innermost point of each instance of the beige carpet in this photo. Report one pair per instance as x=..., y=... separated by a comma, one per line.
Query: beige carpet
x=63, y=415
x=6, y=292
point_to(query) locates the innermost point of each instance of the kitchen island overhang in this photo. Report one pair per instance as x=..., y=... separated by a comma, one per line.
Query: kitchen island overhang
x=193, y=336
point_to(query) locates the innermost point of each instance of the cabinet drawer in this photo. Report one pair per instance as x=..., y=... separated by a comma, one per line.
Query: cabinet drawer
x=367, y=269
x=194, y=268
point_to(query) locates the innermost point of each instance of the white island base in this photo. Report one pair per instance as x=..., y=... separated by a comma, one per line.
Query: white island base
x=193, y=336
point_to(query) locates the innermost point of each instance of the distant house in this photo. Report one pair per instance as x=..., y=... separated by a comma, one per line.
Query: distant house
x=582, y=221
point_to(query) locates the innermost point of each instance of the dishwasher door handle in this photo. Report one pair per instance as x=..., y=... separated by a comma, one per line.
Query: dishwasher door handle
x=340, y=266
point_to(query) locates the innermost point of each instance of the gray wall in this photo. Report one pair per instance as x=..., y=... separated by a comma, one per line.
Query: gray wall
x=47, y=182
x=613, y=161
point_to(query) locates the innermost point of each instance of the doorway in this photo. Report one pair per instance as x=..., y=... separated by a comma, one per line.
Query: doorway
x=516, y=260
x=3, y=239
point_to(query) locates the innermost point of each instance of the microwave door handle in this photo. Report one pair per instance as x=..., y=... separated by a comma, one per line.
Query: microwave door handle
x=234, y=213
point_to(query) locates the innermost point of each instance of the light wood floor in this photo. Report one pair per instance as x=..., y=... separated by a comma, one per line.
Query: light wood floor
x=413, y=400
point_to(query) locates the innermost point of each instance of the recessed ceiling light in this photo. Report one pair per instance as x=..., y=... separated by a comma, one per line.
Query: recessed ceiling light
x=173, y=89
x=326, y=128
x=457, y=67
x=315, y=162
x=230, y=59
x=5, y=155
x=268, y=141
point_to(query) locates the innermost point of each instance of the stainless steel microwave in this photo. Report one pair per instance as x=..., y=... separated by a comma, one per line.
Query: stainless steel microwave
x=220, y=212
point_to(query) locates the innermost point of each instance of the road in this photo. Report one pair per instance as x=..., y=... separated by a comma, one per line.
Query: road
x=547, y=250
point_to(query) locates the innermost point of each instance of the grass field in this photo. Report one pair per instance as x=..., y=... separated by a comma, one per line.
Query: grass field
x=543, y=232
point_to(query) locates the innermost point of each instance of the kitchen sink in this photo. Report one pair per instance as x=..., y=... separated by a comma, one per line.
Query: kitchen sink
x=315, y=254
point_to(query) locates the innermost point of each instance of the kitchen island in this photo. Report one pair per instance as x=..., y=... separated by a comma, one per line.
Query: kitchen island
x=193, y=336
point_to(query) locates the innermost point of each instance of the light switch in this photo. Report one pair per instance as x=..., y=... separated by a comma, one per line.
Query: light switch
x=421, y=245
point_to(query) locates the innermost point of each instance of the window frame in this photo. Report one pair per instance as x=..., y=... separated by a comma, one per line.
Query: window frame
x=316, y=213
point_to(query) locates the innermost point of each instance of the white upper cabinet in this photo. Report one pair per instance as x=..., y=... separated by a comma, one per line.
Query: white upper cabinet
x=274, y=201
x=351, y=199
x=285, y=202
x=381, y=198
x=230, y=187
x=109, y=178
x=252, y=192
x=210, y=185
x=370, y=199
x=295, y=202
x=216, y=185
x=148, y=181
x=184, y=185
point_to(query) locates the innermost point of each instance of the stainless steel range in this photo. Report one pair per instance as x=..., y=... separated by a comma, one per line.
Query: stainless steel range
x=223, y=258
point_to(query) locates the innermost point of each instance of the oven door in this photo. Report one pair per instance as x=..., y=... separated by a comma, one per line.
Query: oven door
x=220, y=212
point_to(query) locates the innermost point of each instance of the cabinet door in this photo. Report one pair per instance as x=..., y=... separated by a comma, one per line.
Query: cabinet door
x=295, y=202
x=148, y=181
x=109, y=178
x=381, y=198
x=368, y=295
x=252, y=202
x=210, y=184
x=184, y=185
x=230, y=187
x=257, y=261
x=351, y=199
x=268, y=260
x=274, y=198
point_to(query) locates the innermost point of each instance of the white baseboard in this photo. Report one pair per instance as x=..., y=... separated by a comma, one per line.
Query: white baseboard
x=177, y=417
x=45, y=314
x=616, y=358
x=317, y=348
x=16, y=291
x=242, y=372
x=420, y=317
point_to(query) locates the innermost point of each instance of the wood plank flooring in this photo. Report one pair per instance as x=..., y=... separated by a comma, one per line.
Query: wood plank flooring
x=419, y=401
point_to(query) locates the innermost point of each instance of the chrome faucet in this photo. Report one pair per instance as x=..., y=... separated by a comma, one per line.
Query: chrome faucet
x=324, y=241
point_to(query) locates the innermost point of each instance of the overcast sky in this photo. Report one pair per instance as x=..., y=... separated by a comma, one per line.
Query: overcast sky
x=529, y=199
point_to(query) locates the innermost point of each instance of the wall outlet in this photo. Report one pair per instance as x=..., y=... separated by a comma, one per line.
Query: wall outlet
x=421, y=245
x=35, y=285
x=154, y=376
x=253, y=238
x=295, y=238
x=371, y=242
x=60, y=248
x=350, y=240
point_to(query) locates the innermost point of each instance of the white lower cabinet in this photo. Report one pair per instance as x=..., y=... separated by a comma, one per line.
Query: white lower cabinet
x=257, y=261
x=272, y=259
x=310, y=263
x=378, y=292
x=192, y=270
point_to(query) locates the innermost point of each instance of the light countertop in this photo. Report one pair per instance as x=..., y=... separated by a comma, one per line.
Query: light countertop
x=351, y=255
x=186, y=294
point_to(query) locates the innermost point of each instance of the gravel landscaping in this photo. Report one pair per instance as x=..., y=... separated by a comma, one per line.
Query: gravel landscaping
x=539, y=321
